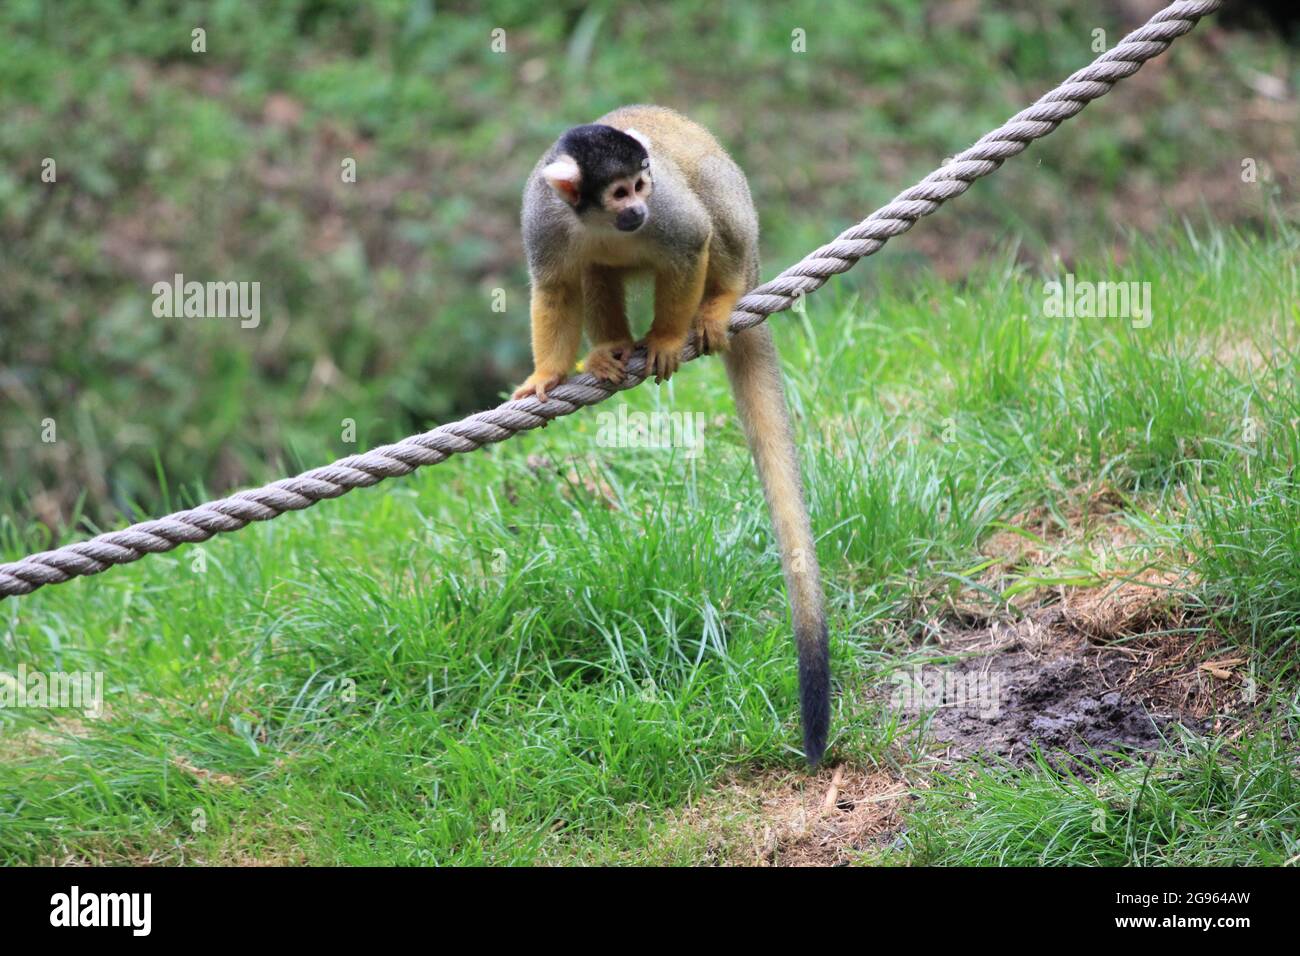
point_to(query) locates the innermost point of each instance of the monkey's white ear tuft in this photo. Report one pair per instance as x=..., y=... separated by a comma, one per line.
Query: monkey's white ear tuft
x=639, y=137
x=563, y=176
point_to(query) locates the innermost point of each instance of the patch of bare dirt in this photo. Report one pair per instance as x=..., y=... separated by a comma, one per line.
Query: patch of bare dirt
x=1107, y=669
x=788, y=818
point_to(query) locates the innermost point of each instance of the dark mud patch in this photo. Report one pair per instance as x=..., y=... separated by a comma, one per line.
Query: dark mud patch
x=1052, y=683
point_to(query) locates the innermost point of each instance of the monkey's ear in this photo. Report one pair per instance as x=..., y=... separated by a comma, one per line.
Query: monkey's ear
x=640, y=138
x=564, y=176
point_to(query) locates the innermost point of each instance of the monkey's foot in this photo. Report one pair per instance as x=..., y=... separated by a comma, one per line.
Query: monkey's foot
x=713, y=335
x=538, y=384
x=608, y=361
x=663, y=355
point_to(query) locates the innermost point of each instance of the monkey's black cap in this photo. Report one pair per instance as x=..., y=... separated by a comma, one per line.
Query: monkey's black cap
x=603, y=153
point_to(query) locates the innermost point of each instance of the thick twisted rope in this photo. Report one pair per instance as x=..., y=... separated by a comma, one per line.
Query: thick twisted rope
x=507, y=420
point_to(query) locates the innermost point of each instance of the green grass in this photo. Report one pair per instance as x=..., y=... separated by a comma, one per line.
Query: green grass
x=536, y=652
x=1214, y=805
x=378, y=295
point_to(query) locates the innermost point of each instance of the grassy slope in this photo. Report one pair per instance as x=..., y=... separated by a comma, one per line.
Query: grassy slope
x=553, y=642
x=378, y=296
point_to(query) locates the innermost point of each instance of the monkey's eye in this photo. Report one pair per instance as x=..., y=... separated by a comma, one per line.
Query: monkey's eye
x=640, y=185
x=620, y=192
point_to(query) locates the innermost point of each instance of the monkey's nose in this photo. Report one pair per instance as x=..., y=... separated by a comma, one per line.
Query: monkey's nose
x=630, y=219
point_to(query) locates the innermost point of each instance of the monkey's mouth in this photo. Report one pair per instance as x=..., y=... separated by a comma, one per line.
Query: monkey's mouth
x=630, y=219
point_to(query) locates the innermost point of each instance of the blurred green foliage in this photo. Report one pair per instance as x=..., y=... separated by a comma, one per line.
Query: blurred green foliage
x=376, y=296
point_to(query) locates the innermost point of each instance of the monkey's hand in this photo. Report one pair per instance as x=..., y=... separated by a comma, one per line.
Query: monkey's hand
x=663, y=354
x=538, y=384
x=608, y=360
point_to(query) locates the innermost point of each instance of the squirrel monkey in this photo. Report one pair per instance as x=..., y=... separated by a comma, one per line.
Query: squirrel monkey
x=646, y=191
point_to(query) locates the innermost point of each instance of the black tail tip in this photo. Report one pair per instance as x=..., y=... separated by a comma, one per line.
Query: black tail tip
x=815, y=692
x=814, y=744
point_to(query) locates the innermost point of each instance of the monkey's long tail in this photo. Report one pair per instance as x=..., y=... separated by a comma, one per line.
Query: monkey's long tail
x=755, y=373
